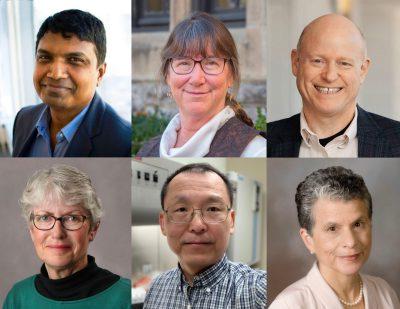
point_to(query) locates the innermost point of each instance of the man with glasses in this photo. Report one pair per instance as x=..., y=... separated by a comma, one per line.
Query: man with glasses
x=197, y=218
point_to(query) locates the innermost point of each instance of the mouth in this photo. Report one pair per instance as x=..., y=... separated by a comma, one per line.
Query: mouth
x=59, y=247
x=351, y=258
x=328, y=90
x=196, y=92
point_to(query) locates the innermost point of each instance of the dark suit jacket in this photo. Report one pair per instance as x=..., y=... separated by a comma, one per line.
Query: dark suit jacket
x=377, y=136
x=102, y=132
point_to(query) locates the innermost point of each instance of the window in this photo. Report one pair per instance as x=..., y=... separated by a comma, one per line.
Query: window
x=150, y=15
x=231, y=12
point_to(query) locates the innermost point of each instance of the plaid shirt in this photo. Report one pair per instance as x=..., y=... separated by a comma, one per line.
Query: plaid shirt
x=223, y=285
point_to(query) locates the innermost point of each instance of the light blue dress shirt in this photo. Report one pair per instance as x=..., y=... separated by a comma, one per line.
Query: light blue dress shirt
x=42, y=146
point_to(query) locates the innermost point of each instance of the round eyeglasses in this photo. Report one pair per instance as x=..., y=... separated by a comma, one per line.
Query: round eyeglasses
x=209, y=214
x=210, y=65
x=68, y=222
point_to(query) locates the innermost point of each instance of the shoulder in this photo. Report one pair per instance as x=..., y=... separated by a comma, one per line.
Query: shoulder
x=378, y=288
x=296, y=295
x=386, y=125
x=20, y=290
x=244, y=272
x=167, y=278
x=30, y=112
x=151, y=148
x=113, y=120
x=278, y=126
x=164, y=285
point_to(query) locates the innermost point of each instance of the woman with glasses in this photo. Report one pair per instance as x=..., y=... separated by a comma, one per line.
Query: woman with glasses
x=200, y=66
x=63, y=214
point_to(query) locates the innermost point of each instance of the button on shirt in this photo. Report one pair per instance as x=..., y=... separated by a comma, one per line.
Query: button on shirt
x=343, y=146
x=223, y=285
x=42, y=147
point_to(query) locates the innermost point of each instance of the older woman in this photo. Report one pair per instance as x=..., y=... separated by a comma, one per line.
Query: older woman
x=335, y=212
x=63, y=213
x=200, y=66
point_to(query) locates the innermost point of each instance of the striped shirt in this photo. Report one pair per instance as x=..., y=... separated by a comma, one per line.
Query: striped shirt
x=223, y=285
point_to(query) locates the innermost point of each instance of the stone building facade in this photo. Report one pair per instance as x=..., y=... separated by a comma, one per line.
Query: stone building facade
x=148, y=93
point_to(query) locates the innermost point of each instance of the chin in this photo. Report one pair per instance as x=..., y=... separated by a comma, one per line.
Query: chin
x=350, y=268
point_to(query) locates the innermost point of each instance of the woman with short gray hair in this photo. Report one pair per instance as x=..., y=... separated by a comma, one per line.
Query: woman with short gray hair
x=63, y=213
x=334, y=209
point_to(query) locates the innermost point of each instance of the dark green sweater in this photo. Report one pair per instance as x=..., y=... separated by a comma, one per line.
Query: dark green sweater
x=24, y=295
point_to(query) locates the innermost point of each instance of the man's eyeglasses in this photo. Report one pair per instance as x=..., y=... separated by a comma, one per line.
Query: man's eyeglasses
x=181, y=214
x=47, y=222
x=210, y=65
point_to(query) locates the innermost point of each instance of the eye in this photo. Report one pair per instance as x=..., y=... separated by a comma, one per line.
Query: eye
x=359, y=224
x=331, y=229
x=76, y=60
x=317, y=61
x=42, y=58
x=71, y=218
x=180, y=209
x=42, y=218
x=214, y=208
x=345, y=64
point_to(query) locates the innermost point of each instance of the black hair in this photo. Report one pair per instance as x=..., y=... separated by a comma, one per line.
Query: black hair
x=196, y=168
x=76, y=22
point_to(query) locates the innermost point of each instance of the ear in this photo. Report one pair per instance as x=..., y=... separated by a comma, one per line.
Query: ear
x=232, y=216
x=31, y=230
x=161, y=220
x=294, y=56
x=93, y=231
x=102, y=70
x=364, y=69
x=307, y=239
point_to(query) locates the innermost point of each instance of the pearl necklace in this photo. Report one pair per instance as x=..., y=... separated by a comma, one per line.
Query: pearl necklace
x=358, y=299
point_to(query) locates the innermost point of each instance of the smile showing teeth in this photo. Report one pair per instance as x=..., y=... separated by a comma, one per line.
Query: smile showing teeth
x=327, y=90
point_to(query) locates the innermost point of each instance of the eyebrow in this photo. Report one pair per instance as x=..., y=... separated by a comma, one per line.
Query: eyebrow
x=67, y=55
x=360, y=218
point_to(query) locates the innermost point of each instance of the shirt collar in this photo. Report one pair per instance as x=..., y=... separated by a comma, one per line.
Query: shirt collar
x=208, y=278
x=68, y=132
x=309, y=136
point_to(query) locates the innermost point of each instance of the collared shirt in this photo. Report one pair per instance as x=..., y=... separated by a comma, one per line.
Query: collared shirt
x=199, y=144
x=42, y=146
x=223, y=285
x=313, y=291
x=343, y=146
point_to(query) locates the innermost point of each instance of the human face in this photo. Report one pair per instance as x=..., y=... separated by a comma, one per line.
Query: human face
x=329, y=68
x=66, y=72
x=341, y=236
x=197, y=244
x=197, y=94
x=63, y=252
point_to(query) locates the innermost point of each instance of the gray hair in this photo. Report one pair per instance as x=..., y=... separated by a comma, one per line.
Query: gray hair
x=61, y=183
x=334, y=183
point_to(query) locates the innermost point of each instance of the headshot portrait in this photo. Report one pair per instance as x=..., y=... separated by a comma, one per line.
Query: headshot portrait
x=199, y=76
x=328, y=109
x=70, y=219
x=205, y=241
x=337, y=248
x=68, y=116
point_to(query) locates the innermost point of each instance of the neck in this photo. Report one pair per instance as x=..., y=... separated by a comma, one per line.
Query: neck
x=59, y=119
x=346, y=287
x=328, y=125
x=60, y=273
x=189, y=126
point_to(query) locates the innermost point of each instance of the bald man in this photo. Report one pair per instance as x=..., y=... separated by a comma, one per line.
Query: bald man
x=330, y=63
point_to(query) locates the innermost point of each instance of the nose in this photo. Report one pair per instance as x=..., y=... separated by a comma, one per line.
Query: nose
x=197, y=225
x=57, y=70
x=349, y=238
x=330, y=73
x=58, y=231
x=197, y=77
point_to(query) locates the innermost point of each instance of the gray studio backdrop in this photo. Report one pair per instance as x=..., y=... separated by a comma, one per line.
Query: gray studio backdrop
x=288, y=260
x=111, y=247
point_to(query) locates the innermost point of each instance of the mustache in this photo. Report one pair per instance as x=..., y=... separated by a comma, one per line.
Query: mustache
x=60, y=83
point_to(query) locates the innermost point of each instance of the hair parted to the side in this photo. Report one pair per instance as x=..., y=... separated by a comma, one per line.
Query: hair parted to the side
x=196, y=168
x=76, y=22
x=334, y=183
x=201, y=34
x=61, y=184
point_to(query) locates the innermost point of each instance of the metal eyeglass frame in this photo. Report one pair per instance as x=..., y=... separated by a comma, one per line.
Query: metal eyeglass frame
x=201, y=216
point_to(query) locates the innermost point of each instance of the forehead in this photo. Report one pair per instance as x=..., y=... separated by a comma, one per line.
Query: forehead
x=338, y=211
x=337, y=41
x=195, y=187
x=56, y=207
x=56, y=43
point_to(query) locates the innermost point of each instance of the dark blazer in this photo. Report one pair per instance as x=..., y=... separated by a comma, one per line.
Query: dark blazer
x=377, y=136
x=102, y=132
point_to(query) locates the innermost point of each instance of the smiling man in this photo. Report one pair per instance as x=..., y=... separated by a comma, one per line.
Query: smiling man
x=330, y=63
x=197, y=218
x=72, y=121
